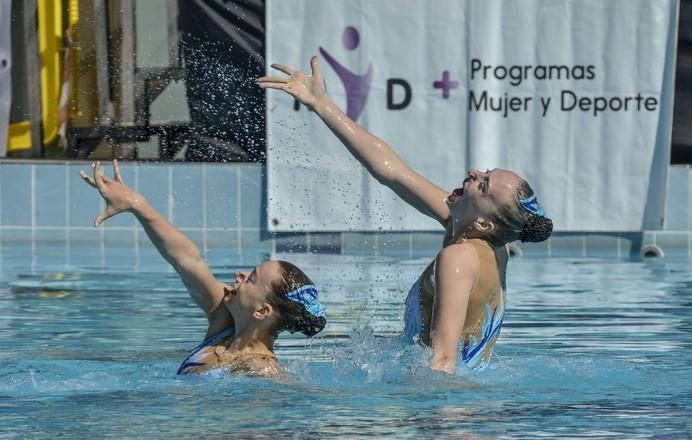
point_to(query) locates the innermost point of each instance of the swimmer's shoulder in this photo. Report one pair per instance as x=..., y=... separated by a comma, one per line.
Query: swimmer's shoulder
x=458, y=256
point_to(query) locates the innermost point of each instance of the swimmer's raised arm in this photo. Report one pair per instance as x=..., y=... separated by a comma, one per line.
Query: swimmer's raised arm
x=372, y=152
x=173, y=245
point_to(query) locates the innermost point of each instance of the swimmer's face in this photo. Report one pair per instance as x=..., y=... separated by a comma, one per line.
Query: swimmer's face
x=482, y=193
x=246, y=298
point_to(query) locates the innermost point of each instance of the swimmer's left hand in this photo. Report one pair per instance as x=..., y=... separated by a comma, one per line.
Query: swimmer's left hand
x=118, y=196
x=308, y=90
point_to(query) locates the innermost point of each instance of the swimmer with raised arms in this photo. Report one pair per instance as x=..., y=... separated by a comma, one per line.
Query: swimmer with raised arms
x=457, y=304
x=244, y=317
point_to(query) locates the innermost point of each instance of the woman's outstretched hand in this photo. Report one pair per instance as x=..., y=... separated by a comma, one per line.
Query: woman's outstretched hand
x=118, y=196
x=308, y=90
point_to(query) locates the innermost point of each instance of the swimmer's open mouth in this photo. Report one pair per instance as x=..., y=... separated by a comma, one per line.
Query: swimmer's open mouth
x=458, y=192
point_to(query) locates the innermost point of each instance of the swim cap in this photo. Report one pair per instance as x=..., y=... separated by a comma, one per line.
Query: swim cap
x=531, y=204
x=307, y=296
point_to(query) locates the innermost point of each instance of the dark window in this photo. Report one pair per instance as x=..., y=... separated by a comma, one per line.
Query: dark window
x=681, y=151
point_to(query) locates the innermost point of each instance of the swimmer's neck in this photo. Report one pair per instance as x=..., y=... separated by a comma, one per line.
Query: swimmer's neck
x=252, y=340
x=461, y=232
x=458, y=228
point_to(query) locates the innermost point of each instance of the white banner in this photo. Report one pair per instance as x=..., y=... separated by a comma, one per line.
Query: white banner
x=5, y=72
x=576, y=97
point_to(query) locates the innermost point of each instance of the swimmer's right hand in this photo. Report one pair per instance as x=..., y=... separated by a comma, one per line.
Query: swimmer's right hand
x=118, y=196
x=308, y=90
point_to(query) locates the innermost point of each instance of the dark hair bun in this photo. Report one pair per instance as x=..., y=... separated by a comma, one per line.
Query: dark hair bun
x=310, y=325
x=300, y=320
x=536, y=229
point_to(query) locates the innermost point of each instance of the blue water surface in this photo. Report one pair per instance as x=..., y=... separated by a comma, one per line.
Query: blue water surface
x=590, y=348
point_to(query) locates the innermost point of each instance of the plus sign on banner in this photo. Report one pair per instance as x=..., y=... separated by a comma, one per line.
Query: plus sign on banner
x=576, y=97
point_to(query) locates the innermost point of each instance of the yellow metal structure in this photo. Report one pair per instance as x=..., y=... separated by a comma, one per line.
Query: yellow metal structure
x=19, y=136
x=50, y=29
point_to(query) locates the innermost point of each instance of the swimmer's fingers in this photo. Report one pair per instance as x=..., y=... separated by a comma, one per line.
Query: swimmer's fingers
x=314, y=66
x=285, y=69
x=87, y=179
x=100, y=178
x=272, y=79
x=274, y=85
x=108, y=213
x=98, y=175
x=116, y=171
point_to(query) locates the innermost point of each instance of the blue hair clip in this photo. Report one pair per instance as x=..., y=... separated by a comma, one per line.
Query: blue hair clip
x=531, y=204
x=307, y=296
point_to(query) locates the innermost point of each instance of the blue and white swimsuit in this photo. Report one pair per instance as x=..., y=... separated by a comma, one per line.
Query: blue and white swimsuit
x=194, y=359
x=473, y=351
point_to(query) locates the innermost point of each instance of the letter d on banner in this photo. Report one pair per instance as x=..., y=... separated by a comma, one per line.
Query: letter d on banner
x=391, y=105
x=5, y=76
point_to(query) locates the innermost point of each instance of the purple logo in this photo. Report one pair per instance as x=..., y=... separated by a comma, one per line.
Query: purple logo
x=357, y=86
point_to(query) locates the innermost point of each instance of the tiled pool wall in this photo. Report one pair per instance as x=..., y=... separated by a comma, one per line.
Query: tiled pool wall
x=222, y=208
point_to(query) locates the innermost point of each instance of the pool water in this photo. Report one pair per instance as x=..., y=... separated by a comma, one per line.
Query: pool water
x=590, y=348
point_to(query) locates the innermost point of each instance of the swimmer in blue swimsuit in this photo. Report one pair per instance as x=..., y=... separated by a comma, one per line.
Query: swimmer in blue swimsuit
x=457, y=305
x=482, y=329
x=245, y=317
